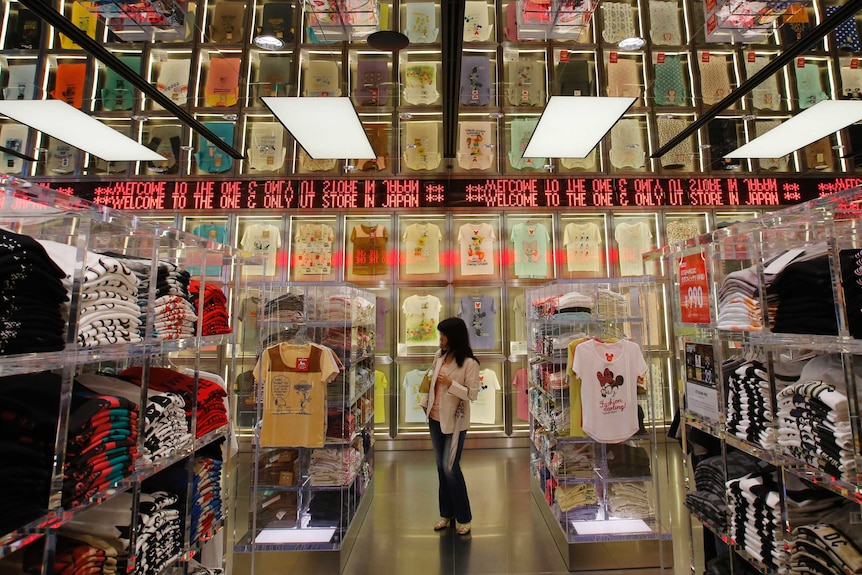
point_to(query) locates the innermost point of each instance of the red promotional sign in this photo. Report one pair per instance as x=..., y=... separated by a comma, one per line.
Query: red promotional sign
x=693, y=289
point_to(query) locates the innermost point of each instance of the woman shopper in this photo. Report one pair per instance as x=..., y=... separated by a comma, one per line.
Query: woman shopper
x=455, y=383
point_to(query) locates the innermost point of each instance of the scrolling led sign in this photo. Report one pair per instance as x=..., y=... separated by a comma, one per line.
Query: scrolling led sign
x=343, y=194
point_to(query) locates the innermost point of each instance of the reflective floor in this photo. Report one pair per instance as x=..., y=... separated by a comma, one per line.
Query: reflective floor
x=509, y=534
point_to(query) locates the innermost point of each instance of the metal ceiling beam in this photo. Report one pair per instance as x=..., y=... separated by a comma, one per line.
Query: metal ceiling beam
x=46, y=12
x=452, y=42
x=830, y=23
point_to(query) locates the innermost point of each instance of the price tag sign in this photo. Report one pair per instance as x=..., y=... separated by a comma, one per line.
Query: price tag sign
x=693, y=289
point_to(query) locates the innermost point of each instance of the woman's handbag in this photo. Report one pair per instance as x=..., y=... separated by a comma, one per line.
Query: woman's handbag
x=425, y=386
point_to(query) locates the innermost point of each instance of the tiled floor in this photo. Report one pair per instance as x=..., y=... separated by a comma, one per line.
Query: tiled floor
x=509, y=535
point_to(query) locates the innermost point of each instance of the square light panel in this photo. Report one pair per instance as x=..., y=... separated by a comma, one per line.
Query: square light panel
x=327, y=128
x=72, y=126
x=816, y=122
x=571, y=126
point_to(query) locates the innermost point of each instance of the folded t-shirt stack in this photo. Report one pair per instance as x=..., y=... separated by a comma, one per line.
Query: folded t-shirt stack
x=32, y=297
x=573, y=460
x=109, y=312
x=815, y=427
x=624, y=460
x=159, y=537
x=631, y=499
x=214, y=318
x=821, y=548
x=211, y=412
x=107, y=527
x=804, y=299
x=206, y=496
x=334, y=466
x=851, y=281
x=102, y=444
x=573, y=304
x=576, y=502
x=29, y=410
x=166, y=426
x=612, y=305
x=755, y=517
x=750, y=413
x=72, y=557
x=738, y=303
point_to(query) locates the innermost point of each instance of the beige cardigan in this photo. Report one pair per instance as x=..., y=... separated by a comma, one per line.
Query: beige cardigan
x=465, y=387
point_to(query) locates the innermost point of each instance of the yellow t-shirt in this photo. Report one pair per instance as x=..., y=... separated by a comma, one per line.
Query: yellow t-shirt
x=380, y=385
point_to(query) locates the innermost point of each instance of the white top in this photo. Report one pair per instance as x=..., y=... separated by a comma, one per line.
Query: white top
x=609, y=375
x=583, y=251
x=484, y=409
x=261, y=240
x=421, y=316
x=422, y=249
x=632, y=240
x=476, y=247
x=413, y=411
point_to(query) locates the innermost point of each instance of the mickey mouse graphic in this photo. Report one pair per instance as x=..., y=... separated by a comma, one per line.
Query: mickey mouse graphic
x=609, y=383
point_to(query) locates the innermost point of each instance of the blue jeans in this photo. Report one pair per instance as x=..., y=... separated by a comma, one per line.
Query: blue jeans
x=453, y=490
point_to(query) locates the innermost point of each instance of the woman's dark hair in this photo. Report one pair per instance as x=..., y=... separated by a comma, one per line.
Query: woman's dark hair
x=456, y=333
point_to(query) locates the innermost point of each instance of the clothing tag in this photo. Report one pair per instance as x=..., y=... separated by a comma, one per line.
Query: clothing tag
x=704, y=57
x=212, y=234
x=752, y=57
x=659, y=59
x=800, y=62
x=609, y=357
x=854, y=63
x=564, y=56
x=301, y=364
x=265, y=233
x=612, y=58
x=477, y=305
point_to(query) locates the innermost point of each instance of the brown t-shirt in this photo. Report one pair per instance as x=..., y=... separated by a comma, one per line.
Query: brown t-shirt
x=369, y=250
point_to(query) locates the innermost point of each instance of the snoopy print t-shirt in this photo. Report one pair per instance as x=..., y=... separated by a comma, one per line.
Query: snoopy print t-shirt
x=609, y=374
x=476, y=243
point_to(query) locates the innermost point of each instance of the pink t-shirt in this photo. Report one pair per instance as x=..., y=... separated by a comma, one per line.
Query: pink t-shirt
x=520, y=383
x=438, y=392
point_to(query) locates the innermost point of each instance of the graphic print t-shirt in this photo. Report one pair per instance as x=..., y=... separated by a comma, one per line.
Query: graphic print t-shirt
x=369, y=250
x=262, y=240
x=422, y=248
x=476, y=243
x=294, y=379
x=484, y=409
x=478, y=312
x=314, y=249
x=421, y=315
x=609, y=375
x=215, y=233
x=582, y=243
x=633, y=240
x=531, y=250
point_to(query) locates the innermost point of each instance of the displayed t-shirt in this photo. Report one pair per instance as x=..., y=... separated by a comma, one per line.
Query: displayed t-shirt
x=28, y=31
x=165, y=140
x=173, y=80
x=322, y=79
x=531, y=249
x=421, y=23
x=117, y=93
x=421, y=316
x=369, y=250
x=294, y=379
x=216, y=233
x=227, y=22
x=261, y=240
x=273, y=74
x=714, y=78
x=421, y=148
x=279, y=17
x=222, y=85
x=527, y=83
x=809, y=85
x=61, y=157
x=381, y=308
x=313, y=249
x=681, y=230
x=475, y=81
x=664, y=23
x=583, y=247
x=413, y=412
x=476, y=247
x=521, y=383
x=477, y=24
x=267, y=151
x=14, y=137
x=381, y=384
x=609, y=374
x=211, y=159
x=22, y=82
x=484, y=409
x=520, y=133
x=618, y=20
x=669, y=87
x=766, y=96
x=248, y=316
x=69, y=83
x=479, y=313
x=632, y=241
x=627, y=144
x=420, y=83
x=474, y=151
x=372, y=82
x=519, y=309
x=84, y=20
x=422, y=249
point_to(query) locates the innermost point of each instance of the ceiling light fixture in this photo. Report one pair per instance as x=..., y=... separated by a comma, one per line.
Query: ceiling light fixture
x=327, y=128
x=633, y=43
x=816, y=122
x=70, y=125
x=571, y=126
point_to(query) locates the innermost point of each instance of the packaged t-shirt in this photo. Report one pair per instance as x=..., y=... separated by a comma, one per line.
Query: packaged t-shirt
x=477, y=24
x=273, y=75
x=211, y=159
x=28, y=31
x=62, y=157
x=809, y=85
x=714, y=77
x=267, y=151
x=633, y=239
x=421, y=316
x=21, y=86
x=475, y=145
x=421, y=22
x=583, y=247
x=85, y=21
x=117, y=93
x=520, y=133
x=479, y=313
x=422, y=249
x=14, y=137
x=421, y=146
x=484, y=409
x=307, y=164
x=165, y=140
x=531, y=249
x=765, y=96
x=227, y=23
x=222, y=86
x=669, y=87
x=527, y=83
x=664, y=23
x=69, y=84
x=573, y=78
x=261, y=240
x=278, y=19
x=370, y=244
x=475, y=81
x=313, y=249
x=372, y=82
x=420, y=83
x=627, y=144
x=378, y=136
x=609, y=374
x=476, y=248
x=173, y=80
x=322, y=79
x=215, y=233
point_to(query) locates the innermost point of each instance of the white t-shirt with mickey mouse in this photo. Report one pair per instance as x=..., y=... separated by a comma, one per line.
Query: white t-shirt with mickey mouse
x=484, y=409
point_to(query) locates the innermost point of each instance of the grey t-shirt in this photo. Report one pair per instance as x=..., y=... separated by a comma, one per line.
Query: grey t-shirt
x=478, y=312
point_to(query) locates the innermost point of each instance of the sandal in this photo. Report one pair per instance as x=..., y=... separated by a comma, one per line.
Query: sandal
x=462, y=528
x=442, y=524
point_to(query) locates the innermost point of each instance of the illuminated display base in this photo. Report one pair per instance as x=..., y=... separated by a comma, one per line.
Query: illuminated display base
x=342, y=194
